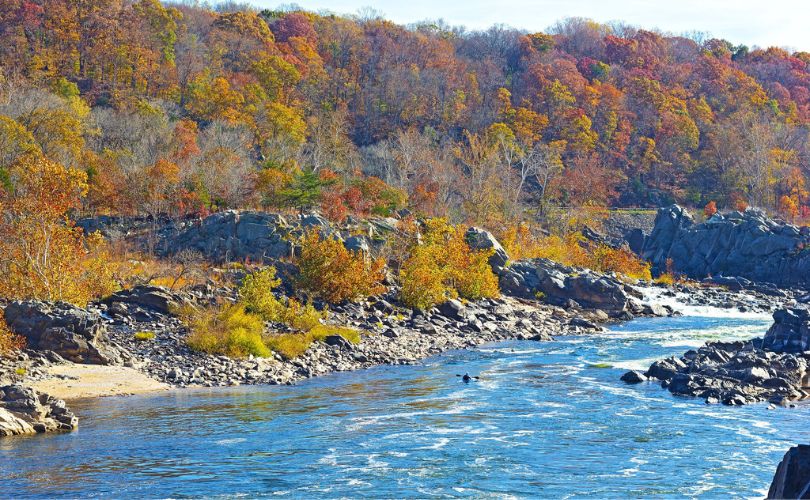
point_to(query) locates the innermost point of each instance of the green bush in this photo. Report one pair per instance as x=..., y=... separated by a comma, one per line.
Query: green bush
x=256, y=293
x=292, y=345
x=228, y=331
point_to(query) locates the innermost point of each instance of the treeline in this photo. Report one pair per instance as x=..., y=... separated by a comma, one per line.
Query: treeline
x=180, y=108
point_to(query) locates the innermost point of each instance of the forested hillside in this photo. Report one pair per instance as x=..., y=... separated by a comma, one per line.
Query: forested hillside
x=179, y=108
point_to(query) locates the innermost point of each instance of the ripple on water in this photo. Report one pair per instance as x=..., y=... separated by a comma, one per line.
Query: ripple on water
x=546, y=419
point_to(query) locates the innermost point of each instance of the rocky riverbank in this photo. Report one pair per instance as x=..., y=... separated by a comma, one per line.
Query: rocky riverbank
x=773, y=368
x=26, y=411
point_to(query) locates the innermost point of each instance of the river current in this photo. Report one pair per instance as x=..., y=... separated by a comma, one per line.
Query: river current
x=547, y=419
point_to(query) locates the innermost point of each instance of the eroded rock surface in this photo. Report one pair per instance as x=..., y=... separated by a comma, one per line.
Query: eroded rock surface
x=792, y=478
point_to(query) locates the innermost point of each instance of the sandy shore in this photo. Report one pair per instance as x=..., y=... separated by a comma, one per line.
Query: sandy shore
x=86, y=381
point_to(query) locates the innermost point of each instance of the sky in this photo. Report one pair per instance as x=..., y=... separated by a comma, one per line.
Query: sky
x=763, y=23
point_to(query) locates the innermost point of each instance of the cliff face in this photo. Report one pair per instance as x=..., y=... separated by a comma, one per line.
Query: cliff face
x=745, y=244
x=792, y=478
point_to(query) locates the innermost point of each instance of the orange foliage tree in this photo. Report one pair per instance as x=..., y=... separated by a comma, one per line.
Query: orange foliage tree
x=329, y=271
x=42, y=254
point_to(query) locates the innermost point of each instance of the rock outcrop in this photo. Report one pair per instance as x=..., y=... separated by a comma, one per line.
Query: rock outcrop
x=73, y=333
x=235, y=236
x=564, y=286
x=481, y=239
x=745, y=244
x=792, y=478
x=24, y=411
x=735, y=373
x=156, y=298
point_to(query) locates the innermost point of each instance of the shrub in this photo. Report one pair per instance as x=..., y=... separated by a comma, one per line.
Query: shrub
x=227, y=330
x=443, y=267
x=292, y=345
x=144, y=336
x=303, y=317
x=423, y=280
x=619, y=260
x=710, y=209
x=9, y=341
x=666, y=279
x=329, y=271
x=256, y=293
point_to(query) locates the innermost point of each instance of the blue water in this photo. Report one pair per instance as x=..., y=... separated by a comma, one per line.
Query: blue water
x=545, y=419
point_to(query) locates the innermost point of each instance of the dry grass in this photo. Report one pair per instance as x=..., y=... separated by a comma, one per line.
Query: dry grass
x=292, y=345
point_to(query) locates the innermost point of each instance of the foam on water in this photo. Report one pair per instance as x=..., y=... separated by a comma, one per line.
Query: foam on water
x=542, y=421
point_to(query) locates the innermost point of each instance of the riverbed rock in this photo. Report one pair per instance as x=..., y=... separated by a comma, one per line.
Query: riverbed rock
x=157, y=298
x=790, y=331
x=633, y=377
x=745, y=244
x=792, y=477
x=73, y=333
x=25, y=411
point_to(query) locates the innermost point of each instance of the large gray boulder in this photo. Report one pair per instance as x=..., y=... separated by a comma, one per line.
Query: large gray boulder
x=481, y=239
x=790, y=331
x=74, y=333
x=745, y=244
x=558, y=284
x=792, y=477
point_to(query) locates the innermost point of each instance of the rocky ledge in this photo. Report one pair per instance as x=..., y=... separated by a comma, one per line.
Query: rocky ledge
x=24, y=411
x=773, y=368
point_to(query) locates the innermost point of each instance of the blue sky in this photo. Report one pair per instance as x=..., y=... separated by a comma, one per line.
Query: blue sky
x=784, y=23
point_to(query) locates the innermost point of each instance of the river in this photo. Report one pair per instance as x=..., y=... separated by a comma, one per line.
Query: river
x=546, y=419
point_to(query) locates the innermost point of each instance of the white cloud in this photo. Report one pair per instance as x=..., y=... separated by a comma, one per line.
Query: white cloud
x=782, y=23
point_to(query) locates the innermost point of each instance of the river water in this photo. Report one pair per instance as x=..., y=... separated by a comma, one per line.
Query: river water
x=545, y=419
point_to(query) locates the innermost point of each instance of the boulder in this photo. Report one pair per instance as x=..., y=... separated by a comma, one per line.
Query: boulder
x=74, y=333
x=236, y=236
x=736, y=249
x=559, y=285
x=792, y=477
x=453, y=309
x=25, y=411
x=633, y=377
x=156, y=298
x=790, y=331
x=481, y=239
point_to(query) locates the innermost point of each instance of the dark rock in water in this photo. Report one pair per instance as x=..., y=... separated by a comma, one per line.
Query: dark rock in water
x=25, y=411
x=633, y=377
x=792, y=478
x=735, y=373
x=156, y=298
x=583, y=323
x=741, y=244
x=790, y=331
x=558, y=284
x=480, y=239
x=74, y=333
